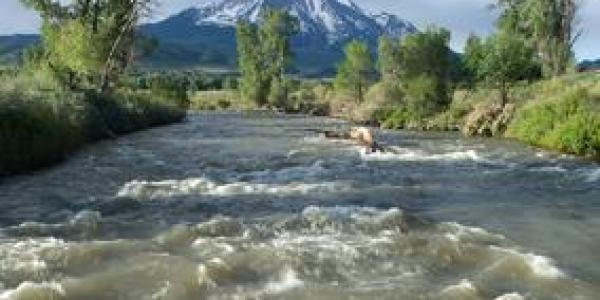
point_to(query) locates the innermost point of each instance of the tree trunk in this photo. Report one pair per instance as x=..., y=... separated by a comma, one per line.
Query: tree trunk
x=105, y=84
x=503, y=94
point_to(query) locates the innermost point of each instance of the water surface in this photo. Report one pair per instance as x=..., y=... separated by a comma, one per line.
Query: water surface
x=251, y=206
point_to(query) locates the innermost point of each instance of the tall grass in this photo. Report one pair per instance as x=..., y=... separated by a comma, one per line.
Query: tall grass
x=566, y=119
x=41, y=127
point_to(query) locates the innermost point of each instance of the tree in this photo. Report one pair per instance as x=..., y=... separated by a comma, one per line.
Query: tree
x=89, y=41
x=250, y=63
x=353, y=74
x=264, y=53
x=500, y=61
x=426, y=56
x=548, y=25
x=389, y=59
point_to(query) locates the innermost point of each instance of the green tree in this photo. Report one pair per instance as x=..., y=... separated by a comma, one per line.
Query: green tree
x=425, y=56
x=500, y=61
x=89, y=41
x=389, y=59
x=250, y=64
x=548, y=25
x=354, y=72
x=264, y=53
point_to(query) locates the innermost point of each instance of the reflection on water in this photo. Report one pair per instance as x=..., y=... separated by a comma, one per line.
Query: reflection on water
x=234, y=206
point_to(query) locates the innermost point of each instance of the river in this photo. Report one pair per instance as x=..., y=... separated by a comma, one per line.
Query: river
x=259, y=206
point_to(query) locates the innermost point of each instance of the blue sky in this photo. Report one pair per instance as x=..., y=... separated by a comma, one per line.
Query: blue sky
x=460, y=16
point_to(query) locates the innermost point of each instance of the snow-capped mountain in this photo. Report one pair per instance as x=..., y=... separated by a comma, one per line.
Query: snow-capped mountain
x=337, y=20
x=206, y=33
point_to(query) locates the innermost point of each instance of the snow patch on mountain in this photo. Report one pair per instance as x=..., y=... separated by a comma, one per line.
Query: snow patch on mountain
x=337, y=20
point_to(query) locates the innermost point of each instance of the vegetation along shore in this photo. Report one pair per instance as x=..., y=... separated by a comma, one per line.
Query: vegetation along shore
x=79, y=83
x=73, y=88
x=521, y=82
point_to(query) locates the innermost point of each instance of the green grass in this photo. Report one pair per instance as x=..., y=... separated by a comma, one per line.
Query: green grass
x=218, y=100
x=38, y=128
x=566, y=119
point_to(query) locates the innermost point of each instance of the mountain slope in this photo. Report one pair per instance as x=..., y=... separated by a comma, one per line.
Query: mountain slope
x=11, y=46
x=205, y=35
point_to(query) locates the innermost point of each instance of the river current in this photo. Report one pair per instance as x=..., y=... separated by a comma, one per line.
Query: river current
x=259, y=206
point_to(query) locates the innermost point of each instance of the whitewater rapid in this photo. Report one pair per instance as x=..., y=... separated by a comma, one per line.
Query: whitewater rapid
x=228, y=206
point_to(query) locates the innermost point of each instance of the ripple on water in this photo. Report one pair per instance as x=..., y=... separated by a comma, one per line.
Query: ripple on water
x=140, y=189
x=337, y=251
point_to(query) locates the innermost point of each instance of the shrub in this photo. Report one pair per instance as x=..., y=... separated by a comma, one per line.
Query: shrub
x=218, y=100
x=424, y=96
x=568, y=121
x=396, y=119
x=380, y=99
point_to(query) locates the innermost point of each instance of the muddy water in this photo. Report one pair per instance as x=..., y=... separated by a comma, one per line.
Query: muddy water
x=230, y=206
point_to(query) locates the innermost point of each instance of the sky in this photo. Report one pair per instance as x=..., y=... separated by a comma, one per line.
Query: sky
x=462, y=17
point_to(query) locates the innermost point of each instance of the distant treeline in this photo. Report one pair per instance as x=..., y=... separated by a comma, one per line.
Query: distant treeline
x=185, y=80
x=589, y=65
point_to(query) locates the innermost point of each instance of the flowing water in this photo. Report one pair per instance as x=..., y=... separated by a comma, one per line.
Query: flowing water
x=244, y=206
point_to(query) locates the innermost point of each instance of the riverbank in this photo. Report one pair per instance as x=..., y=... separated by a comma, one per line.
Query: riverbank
x=561, y=114
x=39, y=128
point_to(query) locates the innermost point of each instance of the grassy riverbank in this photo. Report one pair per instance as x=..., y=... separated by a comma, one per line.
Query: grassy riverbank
x=561, y=114
x=38, y=127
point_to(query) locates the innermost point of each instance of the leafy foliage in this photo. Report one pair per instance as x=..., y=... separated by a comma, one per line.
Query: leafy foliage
x=354, y=72
x=568, y=121
x=500, y=61
x=548, y=25
x=264, y=53
x=88, y=43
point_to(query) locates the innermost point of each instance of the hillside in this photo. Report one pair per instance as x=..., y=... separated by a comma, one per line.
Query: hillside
x=204, y=35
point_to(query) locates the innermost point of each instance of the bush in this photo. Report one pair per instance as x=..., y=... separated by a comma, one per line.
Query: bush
x=568, y=121
x=380, y=99
x=396, y=119
x=219, y=100
x=424, y=96
x=308, y=99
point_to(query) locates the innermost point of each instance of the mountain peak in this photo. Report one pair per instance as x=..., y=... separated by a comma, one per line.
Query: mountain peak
x=336, y=19
x=205, y=34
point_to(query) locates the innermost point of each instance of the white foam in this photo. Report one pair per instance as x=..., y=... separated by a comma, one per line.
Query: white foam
x=464, y=287
x=592, y=176
x=24, y=257
x=40, y=291
x=288, y=280
x=403, y=154
x=356, y=214
x=550, y=169
x=511, y=296
x=540, y=266
x=203, y=186
x=460, y=233
x=287, y=174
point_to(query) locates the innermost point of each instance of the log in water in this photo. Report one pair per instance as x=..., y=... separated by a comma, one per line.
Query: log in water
x=232, y=206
